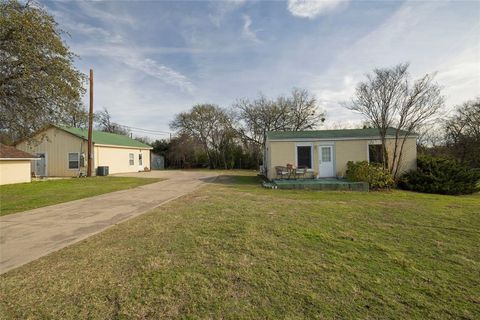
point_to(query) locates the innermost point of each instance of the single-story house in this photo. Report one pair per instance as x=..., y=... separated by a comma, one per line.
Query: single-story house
x=63, y=152
x=326, y=152
x=15, y=165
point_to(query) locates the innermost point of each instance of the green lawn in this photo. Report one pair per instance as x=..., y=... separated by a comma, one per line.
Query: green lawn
x=26, y=196
x=234, y=250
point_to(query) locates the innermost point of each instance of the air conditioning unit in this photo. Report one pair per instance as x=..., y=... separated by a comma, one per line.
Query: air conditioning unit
x=102, y=171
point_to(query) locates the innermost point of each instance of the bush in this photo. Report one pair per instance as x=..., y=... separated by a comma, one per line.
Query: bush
x=440, y=175
x=374, y=174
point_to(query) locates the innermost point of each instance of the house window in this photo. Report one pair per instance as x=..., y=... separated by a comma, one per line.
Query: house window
x=304, y=156
x=326, y=154
x=375, y=153
x=131, y=159
x=73, y=160
x=140, y=160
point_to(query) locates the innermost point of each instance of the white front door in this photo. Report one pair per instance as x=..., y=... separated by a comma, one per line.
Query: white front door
x=326, y=162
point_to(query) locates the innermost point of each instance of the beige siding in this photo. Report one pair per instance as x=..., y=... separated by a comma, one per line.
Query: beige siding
x=409, y=155
x=56, y=144
x=280, y=153
x=117, y=159
x=349, y=150
x=14, y=171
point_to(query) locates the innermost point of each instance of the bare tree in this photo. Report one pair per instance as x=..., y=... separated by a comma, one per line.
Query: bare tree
x=303, y=111
x=292, y=113
x=209, y=124
x=387, y=99
x=463, y=133
x=105, y=123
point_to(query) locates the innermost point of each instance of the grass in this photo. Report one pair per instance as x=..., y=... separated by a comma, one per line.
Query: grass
x=234, y=250
x=26, y=196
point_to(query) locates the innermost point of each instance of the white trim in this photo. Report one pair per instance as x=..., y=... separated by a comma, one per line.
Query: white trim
x=368, y=152
x=19, y=159
x=311, y=153
x=68, y=160
x=326, y=143
x=333, y=158
x=332, y=139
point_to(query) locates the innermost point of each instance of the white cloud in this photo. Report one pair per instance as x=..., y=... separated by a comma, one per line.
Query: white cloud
x=460, y=76
x=91, y=10
x=247, y=32
x=222, y=9
x=451, y=50
x=132, y=58
x=113, y=45
x=160, y=72
x=313, y=8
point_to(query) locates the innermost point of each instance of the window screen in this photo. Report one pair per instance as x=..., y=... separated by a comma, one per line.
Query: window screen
x=326, y=154
x=375, y=153
x=131, y=159
x=73, y=160
x=140, y=160
x=304, y=156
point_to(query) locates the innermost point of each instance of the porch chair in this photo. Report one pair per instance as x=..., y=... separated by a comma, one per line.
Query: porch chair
x=281, y=172
x=300, y=172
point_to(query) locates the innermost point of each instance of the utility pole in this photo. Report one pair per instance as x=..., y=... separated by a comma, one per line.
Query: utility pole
x=90, y=124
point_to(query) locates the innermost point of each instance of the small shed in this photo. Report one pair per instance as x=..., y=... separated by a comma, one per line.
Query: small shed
x=157, y=161
x=15, y=165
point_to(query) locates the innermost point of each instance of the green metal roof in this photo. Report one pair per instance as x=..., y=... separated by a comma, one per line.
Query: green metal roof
x=100, y=137
x=330, y=134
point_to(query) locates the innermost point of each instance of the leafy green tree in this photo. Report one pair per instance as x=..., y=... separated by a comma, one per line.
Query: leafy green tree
x=38, y=82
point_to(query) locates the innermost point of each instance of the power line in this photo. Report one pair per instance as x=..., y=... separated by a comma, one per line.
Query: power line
x=145, y=130
x=150, y=133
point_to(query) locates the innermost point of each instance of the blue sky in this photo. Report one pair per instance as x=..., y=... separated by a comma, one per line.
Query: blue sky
x=153, y=59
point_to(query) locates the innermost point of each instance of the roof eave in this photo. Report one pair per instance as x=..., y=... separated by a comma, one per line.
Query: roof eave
x=13, y=159
x=122, y=146
x=333, y=139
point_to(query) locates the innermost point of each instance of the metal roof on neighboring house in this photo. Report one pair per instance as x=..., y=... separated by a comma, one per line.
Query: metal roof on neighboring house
x=8, y=152
x=100, y=137
x=332, y=134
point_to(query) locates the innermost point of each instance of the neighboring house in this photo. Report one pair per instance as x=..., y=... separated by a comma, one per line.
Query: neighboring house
x=63, y=152
x=326, y=152
x=15, y=165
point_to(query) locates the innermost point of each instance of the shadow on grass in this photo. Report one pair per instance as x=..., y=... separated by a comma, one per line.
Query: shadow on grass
x=238, y=180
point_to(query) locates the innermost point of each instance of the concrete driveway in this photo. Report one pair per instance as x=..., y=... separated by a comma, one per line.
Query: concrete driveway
x=29, y=235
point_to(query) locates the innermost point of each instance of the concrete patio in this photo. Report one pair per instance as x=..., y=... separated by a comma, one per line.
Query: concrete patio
x=318, y=184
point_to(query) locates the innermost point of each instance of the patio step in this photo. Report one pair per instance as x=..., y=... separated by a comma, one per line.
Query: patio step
x=320, y=184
